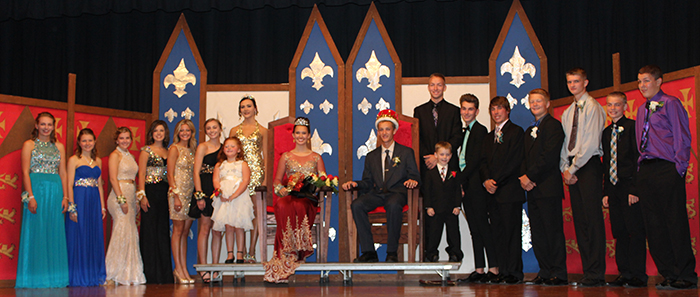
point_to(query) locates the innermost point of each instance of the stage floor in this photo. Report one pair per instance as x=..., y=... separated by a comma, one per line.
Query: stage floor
x=307, y=289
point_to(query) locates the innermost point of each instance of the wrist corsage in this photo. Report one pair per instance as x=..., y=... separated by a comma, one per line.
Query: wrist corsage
x=121, y=199
x=72, y=208
x=199, y=195
x=140, y=195
x=278, y=187
x=217, y=192
x=26, y=197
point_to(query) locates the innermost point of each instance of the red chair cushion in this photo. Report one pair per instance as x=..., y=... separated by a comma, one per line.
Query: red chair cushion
x=382, y=210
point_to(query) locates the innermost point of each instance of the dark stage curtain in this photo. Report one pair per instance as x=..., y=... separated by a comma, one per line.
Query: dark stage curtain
x=114, y=45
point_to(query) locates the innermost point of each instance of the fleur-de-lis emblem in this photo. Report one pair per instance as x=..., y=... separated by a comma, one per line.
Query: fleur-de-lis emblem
x=567, y=213
x=369, y=145
x=180, y=78
x=326, y=106
x=318, y=146
x=170, y=115
x=511, y=100
x=690, y=207
x=382, y=105
x=187, y=113
x=306, y=106
x=517, y=68
x=364, y=106
x=526, y=101
x=372, y=72
x=526, y=232
x=316, y=71
x=571, y=246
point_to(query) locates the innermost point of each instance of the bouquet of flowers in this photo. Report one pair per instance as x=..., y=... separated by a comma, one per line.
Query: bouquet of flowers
x=308, y=186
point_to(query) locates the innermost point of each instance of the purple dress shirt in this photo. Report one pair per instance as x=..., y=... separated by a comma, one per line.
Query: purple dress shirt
x=669, y=132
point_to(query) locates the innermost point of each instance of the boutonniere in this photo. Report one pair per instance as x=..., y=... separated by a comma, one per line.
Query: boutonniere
x=655, y=105
x=580, y=104
x=620, y=129
x=396, y=161
x=499, y=137
x=452, y=174
x=533, y=133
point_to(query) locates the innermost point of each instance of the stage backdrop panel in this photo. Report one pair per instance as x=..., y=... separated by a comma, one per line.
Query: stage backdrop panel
x=16, y=125
x=684, y=89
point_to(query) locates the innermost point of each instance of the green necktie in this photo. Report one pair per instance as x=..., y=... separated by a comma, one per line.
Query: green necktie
x=462, y=161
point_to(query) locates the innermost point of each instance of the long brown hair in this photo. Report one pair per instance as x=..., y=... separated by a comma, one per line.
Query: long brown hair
x=35, y=132
x=79, y=150
x=154, y=125
x=222, y=154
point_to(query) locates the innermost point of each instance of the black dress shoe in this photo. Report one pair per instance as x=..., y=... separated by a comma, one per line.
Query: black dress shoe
x=683, y=284
x=454, y=258
x=618, y=282
x=511, y=280
x=536, y=281
x=367, y=257
x=497, y=279
x=392, y=257
x=665, y=285
x=488, y=277
x=473, y=278
x=635, y=283
x=555, y=281
x=431, y=258
x=587, y=282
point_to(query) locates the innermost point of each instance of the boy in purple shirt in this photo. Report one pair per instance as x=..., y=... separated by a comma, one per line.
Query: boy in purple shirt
x=663, y=139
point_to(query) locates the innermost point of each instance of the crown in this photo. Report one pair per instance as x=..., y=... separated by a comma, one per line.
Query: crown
x=387, y=115
x=301, y=122
x=248, y=96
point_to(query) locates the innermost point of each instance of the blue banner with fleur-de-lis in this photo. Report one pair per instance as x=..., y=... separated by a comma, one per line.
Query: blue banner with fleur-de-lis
x=181, y=81
x=373, y=89
x=317, y=81
x=518, y=68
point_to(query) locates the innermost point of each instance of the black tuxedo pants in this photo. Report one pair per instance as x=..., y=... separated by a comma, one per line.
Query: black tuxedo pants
x=506, y=223
x=587, y=208
x=454, y=242
x=628, y=230
x=393, y=203
x=663, y=199
x=476, y=207
x=548, y=240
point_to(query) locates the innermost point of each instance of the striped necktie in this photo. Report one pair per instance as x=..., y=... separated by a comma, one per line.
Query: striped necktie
x=613, y=155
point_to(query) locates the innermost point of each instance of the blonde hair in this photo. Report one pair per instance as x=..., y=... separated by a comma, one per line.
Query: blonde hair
x=192, y=144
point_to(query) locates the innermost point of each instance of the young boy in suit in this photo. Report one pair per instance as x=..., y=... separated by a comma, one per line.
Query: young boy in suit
x=442, y=202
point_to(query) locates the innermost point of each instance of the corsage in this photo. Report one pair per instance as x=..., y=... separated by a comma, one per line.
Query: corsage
x=216, y=193
x=278, y=187
x=72, y=208
x=26, y=197
x=121, y=199
x=140, y=195
x=199, y=195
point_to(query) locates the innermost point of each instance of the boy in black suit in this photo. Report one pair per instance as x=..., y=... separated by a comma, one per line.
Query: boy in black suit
x=502, y=156
x=542, y=180
x=626, y=219
x=442, y=202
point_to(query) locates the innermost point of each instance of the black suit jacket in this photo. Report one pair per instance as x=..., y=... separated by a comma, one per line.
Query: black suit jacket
x=442, y=196
x=448, y=129
x=541, y=164
x=501, y=162
x=627, y=153
x=472, y=157
x=373, y=177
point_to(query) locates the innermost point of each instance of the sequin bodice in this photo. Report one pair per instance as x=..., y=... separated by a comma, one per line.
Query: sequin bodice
x=156, y=167
x=209, y=161
x=304, y=165
x=184, y=167
x=45, y=158
x=252, y=154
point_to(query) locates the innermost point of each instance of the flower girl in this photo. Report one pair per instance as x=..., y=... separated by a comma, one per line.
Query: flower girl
x=233, y=209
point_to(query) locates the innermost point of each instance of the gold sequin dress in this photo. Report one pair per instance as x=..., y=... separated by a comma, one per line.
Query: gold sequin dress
x=252, y=154
x=184, y=179
x=294, y=215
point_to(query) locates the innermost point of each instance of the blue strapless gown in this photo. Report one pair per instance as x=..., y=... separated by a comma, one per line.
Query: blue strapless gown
x=42, y=261
x=85, y=239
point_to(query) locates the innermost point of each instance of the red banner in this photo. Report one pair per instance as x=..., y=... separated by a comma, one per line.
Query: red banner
x=684, y=89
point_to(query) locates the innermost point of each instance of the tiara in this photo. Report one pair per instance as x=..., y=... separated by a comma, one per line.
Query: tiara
x=248, y=96
x=301, y=122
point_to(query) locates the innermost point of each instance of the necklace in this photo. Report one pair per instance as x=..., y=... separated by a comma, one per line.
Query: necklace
x=90, y=160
